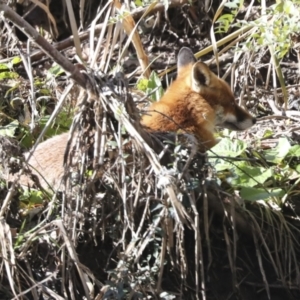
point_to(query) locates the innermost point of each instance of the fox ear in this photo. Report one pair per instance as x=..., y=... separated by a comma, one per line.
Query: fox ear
x=185, y=57
x=201, y=76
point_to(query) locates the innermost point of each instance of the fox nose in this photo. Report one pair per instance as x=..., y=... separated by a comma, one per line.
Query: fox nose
x=254, y=120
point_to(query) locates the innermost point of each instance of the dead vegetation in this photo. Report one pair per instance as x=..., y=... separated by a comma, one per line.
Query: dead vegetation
x=132, y=223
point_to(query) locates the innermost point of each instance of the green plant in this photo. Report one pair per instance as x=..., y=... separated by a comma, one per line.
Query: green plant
x=272, y=174
x=151, y=86
x=275, y=29
x=225, y=21
x=7, y=70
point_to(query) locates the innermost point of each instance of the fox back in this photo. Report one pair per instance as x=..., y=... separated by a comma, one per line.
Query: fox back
x=46, y=163
x=196, y=102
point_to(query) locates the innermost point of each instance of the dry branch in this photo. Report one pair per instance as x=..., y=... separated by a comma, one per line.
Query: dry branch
x=42, y=43
x=69, y=42
x=131, y=31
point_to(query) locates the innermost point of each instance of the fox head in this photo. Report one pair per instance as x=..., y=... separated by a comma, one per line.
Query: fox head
x=228, y=114
x=196, y=102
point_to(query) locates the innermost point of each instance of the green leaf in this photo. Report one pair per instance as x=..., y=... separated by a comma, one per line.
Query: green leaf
x=4, y=67
x=16, y=60
x=154, y=82
x=32, y=197
x=277, y=154
x=279, y=7
x=8, y=75
x=221, y=165
x=148, y=85
x=227, y=147
x=254, y=194
x=45, y=92
x=248, y=176
x=55, y=71
x=294, y=151
x=138, y=3
x=227, y=17
x=9, y=130
x=289, y=8
x=268, y=133
x=232, y=5
x=64, y=119
x=298, y=168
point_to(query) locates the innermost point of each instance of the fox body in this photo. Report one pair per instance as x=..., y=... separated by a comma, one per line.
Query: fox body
x=47, y=162
x=195, y=103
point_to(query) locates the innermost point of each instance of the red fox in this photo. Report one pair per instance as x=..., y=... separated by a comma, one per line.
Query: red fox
x=196, y=102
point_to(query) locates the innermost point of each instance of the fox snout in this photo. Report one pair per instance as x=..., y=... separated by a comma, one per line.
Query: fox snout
x=239, y=120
